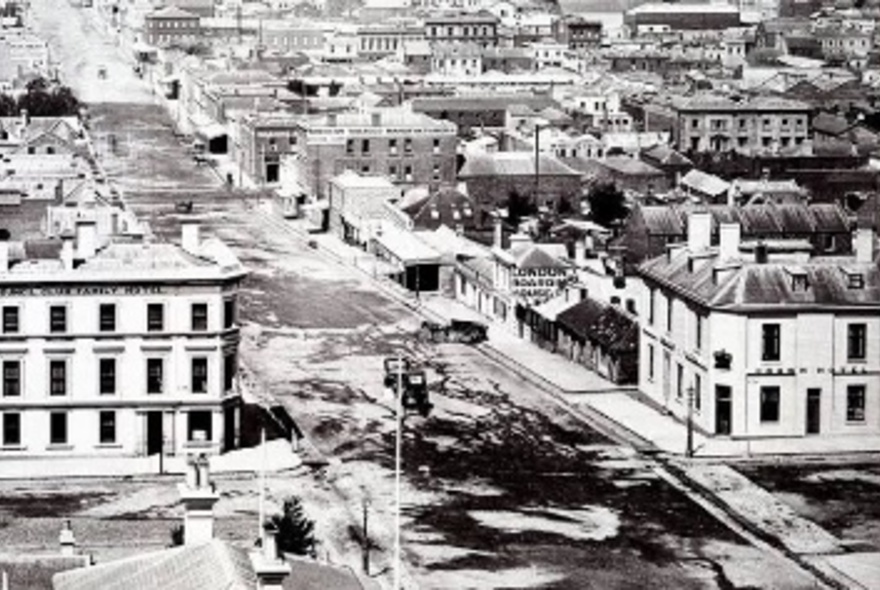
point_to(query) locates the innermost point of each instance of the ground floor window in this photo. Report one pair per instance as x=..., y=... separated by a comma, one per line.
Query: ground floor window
x=770, y=404
x=11, y=429
x=58, y=428
x=200, y=422
x=107, y=420
x=855, y=403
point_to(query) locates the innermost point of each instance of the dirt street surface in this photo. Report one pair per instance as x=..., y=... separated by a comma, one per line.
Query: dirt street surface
x=501, y=489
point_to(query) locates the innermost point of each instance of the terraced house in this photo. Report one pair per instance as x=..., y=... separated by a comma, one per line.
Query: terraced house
x=122, y=348
x=761, y=342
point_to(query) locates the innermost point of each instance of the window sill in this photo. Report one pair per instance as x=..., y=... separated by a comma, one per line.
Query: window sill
x=13, y=448
x=861, y=361
x=856, y=422
x=108, y=446
x=59, y=447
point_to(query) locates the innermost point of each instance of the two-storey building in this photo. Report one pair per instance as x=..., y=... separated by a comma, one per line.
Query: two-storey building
x=480, y=28
x=758, y=340
x=171, y=26
x=127, y=349
x=749, y=125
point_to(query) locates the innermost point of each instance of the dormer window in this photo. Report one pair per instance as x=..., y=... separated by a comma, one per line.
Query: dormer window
x=855, y=280
x=799, y=283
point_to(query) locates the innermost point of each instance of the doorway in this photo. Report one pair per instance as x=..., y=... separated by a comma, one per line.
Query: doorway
x=272, y=171
x=723, y=411
x=155, y=433
x=229, y=428
x=667, y=377
x=814, y=412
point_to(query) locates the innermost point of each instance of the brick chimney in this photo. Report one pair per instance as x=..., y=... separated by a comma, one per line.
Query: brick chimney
x=729, y=240
x=67, y=251
x=86, y=238
x=270, y=568
x=864, y=244
x=198, y=497
x=189, y=236
x=67, y=540
x=699, y=231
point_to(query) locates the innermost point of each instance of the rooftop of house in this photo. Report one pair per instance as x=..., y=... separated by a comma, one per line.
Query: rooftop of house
x=705, y=183
x=481, y=102
x=629, y=166
x=747, y=104
x=514, y=164
x=34, y=572
x=684, y=8
x=379, y=117
x=744, y=284
x=172, y=12
x=755, y=219
x=590, y=320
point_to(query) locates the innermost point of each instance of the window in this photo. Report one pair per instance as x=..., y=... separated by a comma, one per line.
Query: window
x=392, y=171
x=10, y=319
x=679, y=381
x=407, y=172
x=650, y=362
x=199, y=375
x=229, y=312
x=698, y=331
x=11, y=378
x=349, y=147
x=856, y=342
x=652, y=296
x=107, y=427
x=11, y=429
x=855, y=280
x=107, y=317
x=855, y=403
x=669, y=314
x=230, y=366
x=799, y=282
x=154, y=375
x=107, y=376
x=57, y=319
x=407, y=145
x=698, y=391
x=436, y=145
x=155, y=317
x=365, y=146
x=199, y=317
x=770, y=404
x=770, y=342
x=436, y=171
x=392, y=146
x=58, y=428
x=58, y=377
x=199, y=421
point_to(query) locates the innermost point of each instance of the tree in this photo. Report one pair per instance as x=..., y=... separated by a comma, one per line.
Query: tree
x=296, y=532
x=8, y=108
x=44, y=99
x=607, y=204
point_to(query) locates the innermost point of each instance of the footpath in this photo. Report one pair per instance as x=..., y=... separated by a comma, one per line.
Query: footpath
x=648, y=428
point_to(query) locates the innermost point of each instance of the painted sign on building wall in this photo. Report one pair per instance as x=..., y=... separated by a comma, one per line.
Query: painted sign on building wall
x=539, y=283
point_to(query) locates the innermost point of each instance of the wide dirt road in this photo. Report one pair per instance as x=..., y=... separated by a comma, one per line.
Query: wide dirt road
x=80, y=45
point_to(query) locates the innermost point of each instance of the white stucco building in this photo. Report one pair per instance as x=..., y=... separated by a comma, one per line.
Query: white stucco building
x=127, y=349
x=770, y=343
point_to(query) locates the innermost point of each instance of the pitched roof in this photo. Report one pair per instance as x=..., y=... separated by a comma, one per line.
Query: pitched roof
x=830, y=124
x=665, y=155
x=172, y=12
x=603, y=324
x=34, y=572
x=763, y=219
x=514, y=164
x=210, y=566
x=751, y=286
x=536, y=256
x=708, y=184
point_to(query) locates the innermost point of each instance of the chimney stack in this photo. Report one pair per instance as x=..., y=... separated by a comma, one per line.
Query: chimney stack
x=4, y=257
x=189, y=236
x=497, y=236
x=67, y=251
x=268, y=565
x=86, y=238
x=67, y=540
x=729, y=239
x=699, y=228
x=198, y=498
x=580, y=253
x=864, y=244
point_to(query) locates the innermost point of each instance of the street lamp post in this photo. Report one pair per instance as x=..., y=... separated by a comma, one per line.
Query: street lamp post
x=398, y=425
x=689, y=451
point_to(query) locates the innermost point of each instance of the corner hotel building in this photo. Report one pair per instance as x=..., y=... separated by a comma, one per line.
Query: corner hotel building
x=127, y=349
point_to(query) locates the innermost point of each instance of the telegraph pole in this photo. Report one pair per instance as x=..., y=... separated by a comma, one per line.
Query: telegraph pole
x=689, y=451
x=398, y=420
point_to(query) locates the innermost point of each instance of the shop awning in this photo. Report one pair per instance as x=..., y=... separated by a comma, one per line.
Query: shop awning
x=407, y=248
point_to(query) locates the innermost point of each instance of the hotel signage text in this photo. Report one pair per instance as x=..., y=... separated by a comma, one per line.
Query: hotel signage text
x=80, y=290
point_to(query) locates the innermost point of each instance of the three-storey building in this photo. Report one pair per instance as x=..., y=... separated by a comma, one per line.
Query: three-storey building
x=130, y=349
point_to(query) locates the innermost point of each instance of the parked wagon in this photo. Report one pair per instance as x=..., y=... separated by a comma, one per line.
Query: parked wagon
x=465, y=331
